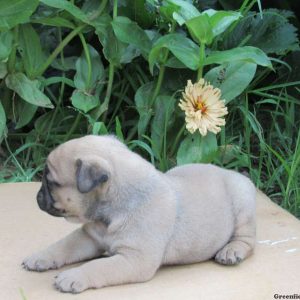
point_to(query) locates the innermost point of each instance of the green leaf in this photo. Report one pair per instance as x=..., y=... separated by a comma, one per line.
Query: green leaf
x=129, y=32
x=14, y=12
x=82, y=79
x=273, y=33
x=90, y=7
x=27, y=89
x=138, y=11
x=167, y=10
x=137, y=143
x=254, y=123
x=2, y=121
x=232, y=156
x=6, y=41
x=232, y=78
x=54, y=21
x=84, y=101
x=179, y=10
x=58, y=79
x=129, y=54
x=99, y=128
x=164, y=109
x=119, y=132
x=197, y=149
x=247, y=53
x=174, y=63
x=187, y=11
x=209, y=24
x=69, y=7
x=113, y=49
x=43, y=122
x=200, y=29
x=143, y=102
x=67, y=64
x=221, y=20
x=25, y=113
x=183, y=49
x=30, y=49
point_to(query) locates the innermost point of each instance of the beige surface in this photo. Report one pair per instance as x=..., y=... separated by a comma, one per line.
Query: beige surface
x=273, y=269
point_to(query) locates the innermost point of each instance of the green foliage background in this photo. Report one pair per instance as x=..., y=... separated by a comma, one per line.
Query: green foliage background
x=70, y=68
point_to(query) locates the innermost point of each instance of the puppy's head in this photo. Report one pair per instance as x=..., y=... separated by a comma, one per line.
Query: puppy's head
x=74, y=180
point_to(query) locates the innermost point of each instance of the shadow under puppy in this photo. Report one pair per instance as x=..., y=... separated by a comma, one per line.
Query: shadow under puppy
x=141, y=217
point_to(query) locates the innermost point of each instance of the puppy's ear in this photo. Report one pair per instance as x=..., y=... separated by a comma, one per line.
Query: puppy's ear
x=89, y=175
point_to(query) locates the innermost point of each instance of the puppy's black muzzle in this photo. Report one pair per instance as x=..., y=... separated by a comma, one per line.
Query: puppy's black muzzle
x=45, y=199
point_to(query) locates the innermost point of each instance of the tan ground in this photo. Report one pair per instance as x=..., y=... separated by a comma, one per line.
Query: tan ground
x=273, y=269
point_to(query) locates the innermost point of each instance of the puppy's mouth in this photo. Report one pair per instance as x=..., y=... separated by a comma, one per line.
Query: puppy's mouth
x=45, y=203
x=57, y=212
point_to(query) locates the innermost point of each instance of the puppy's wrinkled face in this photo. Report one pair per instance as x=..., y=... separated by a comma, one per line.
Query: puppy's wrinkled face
x=72, y=185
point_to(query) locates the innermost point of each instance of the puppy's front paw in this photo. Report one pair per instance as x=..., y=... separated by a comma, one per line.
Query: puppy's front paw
x=39, y=262
x=71, y=281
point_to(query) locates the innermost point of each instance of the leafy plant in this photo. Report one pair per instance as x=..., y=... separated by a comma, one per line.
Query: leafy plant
x=69, y=68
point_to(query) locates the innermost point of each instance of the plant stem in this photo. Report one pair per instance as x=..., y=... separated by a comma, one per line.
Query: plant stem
x=61, y=92
x=115, y=9
x=73, y=128
x=88, y=60
x=247, y=135
x=66, y=40
x=158, y=84
x=110, y=82
x=132, y=132
x=294, y=165
x=104, y=106
x=17, y=164
x=201, y=61
x=58, y=49
x=162, y=69
x=244, y=5
x=111, y=70
x=178, y=136
x=245, y=11
x=223, y=137
x=121, y=97
x=101, y=7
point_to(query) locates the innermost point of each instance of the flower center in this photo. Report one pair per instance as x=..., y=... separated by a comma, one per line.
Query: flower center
x=200, y=105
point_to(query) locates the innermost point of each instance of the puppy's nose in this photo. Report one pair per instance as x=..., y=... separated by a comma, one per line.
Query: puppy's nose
x=41, y=200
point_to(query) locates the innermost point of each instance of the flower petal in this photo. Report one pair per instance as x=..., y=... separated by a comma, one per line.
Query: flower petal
x=204, y=110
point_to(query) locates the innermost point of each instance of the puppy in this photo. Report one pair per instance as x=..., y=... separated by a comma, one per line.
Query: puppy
x=139, y=217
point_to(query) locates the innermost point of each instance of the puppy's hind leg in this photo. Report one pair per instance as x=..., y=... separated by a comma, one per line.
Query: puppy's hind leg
x=242, y=243
x=240, y=246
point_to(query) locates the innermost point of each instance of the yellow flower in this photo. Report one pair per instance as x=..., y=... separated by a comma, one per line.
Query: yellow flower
x=204, y=111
